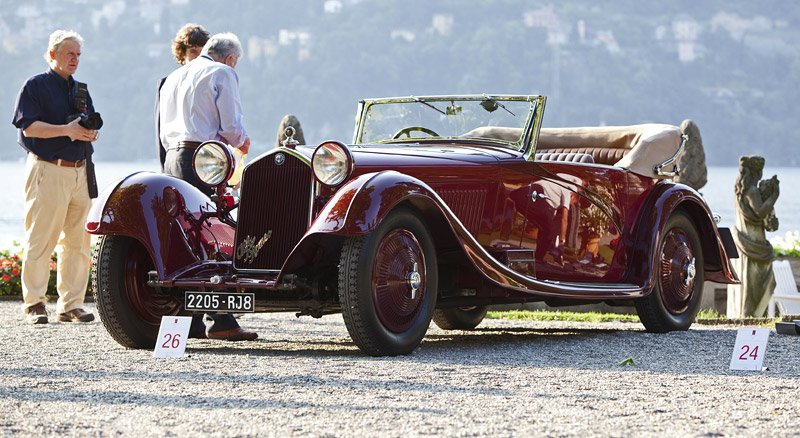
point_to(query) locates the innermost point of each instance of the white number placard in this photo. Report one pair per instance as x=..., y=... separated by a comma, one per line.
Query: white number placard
x=750, y=349
x=172, y=336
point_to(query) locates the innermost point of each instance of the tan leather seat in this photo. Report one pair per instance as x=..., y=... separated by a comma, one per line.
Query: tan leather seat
x=598, y=155
x=642, y=149
x=551, y=155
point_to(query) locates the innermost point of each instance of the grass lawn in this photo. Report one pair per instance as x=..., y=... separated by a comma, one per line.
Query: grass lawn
x=548, y=315
x=705, y=316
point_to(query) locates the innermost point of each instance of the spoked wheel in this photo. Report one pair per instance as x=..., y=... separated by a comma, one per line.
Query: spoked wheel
x=675, y=299
x=459, y=318
x=388, y=284
x=130, y=310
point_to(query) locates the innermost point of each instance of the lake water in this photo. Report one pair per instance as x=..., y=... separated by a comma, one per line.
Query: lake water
x=718, y=193
x=12, y=214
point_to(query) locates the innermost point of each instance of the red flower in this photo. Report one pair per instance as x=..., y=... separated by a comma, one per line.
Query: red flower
x=6, y=277
x=15, y=271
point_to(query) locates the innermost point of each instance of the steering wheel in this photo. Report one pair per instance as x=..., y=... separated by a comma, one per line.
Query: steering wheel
x=410, y=129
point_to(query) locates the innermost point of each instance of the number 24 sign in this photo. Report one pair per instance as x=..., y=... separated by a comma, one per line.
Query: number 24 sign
x=750, y=349
x=172, y=334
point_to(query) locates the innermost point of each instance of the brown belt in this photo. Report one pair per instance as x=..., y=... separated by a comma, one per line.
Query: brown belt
x=186, y=145
x=64, y=163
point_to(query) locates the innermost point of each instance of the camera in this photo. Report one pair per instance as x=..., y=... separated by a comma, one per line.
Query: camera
x=88, y=121
x=80, y=101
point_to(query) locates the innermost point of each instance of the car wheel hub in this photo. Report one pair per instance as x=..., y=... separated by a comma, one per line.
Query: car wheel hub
x=148, y=305
x=414, y=281
x=398, y=280
x=678, y=271
x=690, y=272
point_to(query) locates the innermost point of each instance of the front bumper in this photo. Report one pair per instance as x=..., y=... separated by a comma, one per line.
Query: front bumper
x=270, y=296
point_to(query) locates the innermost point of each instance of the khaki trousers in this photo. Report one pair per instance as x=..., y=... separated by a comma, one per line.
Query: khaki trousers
x=56, y=204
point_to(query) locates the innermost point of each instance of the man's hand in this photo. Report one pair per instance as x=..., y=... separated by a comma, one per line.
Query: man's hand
x=76, y=132
x=245, y=147
x=73, y=130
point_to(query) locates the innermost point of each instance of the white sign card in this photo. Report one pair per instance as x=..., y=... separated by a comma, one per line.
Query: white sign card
x=172, y=334
x=750, y=349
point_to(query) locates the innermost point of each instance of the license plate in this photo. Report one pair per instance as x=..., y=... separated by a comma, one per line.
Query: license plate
x=224, y=302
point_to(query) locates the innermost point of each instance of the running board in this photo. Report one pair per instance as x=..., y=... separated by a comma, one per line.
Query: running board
x=582, y=291
x=594, y=286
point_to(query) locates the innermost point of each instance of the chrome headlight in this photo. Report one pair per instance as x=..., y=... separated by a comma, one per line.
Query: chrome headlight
x=332, y=163
x=213, y=163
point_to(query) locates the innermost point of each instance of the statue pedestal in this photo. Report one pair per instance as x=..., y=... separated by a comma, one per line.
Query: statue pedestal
x=715, y=297
x=734, y=301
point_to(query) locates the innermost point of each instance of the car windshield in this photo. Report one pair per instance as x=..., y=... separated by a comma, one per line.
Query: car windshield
x=417, y=118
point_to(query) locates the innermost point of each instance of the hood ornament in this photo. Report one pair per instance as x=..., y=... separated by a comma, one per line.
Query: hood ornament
x=249, y=248
x=290, y=142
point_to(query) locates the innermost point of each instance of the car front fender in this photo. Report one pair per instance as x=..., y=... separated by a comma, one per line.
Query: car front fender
x=162, y=213
x=666, y=199
x=357, y=208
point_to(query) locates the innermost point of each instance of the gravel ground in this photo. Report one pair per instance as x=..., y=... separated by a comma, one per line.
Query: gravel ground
x=305, y=377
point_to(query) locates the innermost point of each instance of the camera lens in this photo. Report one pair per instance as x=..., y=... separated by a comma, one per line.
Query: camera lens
x=92, y=121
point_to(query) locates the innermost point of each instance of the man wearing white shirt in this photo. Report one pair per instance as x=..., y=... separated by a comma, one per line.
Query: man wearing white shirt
x=198, y=102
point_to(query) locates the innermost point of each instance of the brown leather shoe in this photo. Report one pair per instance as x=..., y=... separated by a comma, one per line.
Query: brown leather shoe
x=76, y=315
x=36, y=314
x=234, y=334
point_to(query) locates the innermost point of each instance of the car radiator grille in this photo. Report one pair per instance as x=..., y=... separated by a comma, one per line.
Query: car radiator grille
x=274, y=207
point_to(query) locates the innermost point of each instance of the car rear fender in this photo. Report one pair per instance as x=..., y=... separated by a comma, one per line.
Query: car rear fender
x=161, y=212
x=666, y=199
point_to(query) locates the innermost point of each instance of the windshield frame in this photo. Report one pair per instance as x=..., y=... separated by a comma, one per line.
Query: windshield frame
x=524, y=144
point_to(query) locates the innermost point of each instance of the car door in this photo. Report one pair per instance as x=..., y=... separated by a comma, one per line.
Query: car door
x=571, y=226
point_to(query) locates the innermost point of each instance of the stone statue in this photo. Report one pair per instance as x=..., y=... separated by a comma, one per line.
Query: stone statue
x=755, y=213
x=692, y=161
x=286, y=121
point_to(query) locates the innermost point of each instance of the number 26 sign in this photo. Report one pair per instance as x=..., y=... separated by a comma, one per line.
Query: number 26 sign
x=750, y=349
x=172, y=335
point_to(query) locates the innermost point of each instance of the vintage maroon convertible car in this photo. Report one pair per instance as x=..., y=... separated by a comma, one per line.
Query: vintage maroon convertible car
x=440, y=207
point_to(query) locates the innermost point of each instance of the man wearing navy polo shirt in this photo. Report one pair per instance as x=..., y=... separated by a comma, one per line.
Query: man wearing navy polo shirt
x=56, y=191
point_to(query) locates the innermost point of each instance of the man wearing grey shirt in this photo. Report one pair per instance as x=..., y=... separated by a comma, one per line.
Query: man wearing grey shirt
x=198, y=102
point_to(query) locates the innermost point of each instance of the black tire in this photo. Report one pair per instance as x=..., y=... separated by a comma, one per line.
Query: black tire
x=459, y=318
x=675, y=299
x=130, y=310
x=391, y=319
